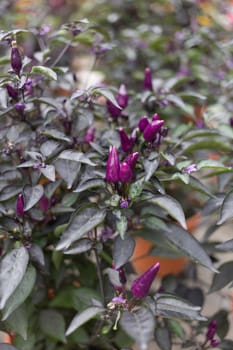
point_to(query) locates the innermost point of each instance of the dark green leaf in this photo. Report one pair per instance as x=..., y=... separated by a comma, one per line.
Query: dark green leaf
x=83, y=317
x=224, y=277
x=122, y=250
x=139, y=325
x=121, y=224
x=4, y=346
x=32, y=195
x=188, y=244
x=9, y=192
x=21, y=292
x=88, y=185
x=81, y=246
x=226, y=209
x=12, y=270
x=45, y=71
x=76, y=156
x=199, y=186
x=107, y=94
x=68, y=170
x=52, y=324
x=82, y=221
x=171, y=306
x=228, y=245
x=150, y=167
x=226, y=344
x=49, y=172
x=57, y=135
x=172, y=206
x=136, y=188
x=208, y=143
x=176, y=328
x=18, y=321
x=163, y=338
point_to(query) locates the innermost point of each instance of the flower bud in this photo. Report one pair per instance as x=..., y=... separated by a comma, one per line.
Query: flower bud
x=16, y=60
x=143, y=122
x=151, y=130
x=125, y=173
x=147, y=83
x=131, y=159
x=141, y=285
x=20, y=205
x=126, y=142
x=122, y=97
x=122, y=276
x=113, y=166
x=90, y=135
x=12, y=92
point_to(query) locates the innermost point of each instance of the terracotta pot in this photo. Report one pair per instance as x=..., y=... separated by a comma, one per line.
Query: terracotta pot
x=141, y=261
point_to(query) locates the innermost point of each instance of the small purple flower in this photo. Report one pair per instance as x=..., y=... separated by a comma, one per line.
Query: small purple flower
x=119, y=300
x=16, y=60
x=143, y=122
x=90, y=135
x=200, y=124
x=127, y=142
x=190, y=169
x=141, y=285
x=44, y=30
x=122, y=97
x=152, y=129
x=20, y=107
x=124, y=203
x=125, y=172
x=147, y=82
x=12, y=92
x=113, y=165
x=20, y=205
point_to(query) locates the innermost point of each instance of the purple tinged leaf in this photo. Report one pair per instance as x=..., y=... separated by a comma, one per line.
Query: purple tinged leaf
x=20, y=205
x=113, y=166
x=16, y=60
x=143, y=122
x=141, y=285
x=147, y=82
x=125, y=173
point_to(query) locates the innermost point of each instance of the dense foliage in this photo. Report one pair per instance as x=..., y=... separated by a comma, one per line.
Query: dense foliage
x=88, y=167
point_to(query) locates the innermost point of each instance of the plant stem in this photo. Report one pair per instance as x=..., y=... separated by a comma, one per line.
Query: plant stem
x=99, y=273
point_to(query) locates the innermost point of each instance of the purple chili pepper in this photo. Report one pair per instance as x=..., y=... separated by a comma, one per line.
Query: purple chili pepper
x=20, y=205
x=141, y=285
x=125, y=172
x=16, y=60
x=113, y=165
x=147, y=82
